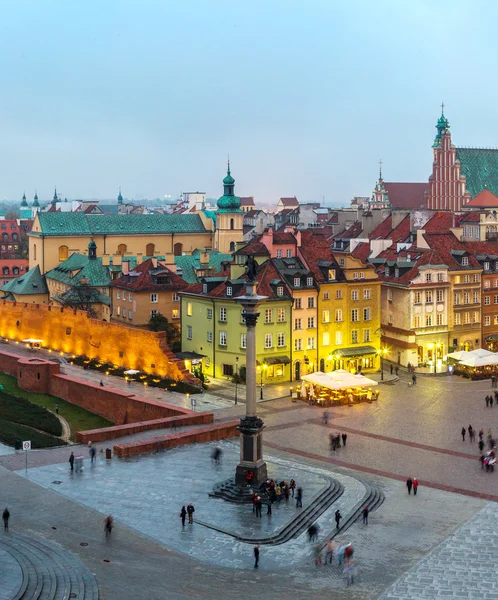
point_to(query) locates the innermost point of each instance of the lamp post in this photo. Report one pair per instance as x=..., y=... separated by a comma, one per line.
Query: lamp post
x=382, y=352
x=236, y=377
x=438, y=345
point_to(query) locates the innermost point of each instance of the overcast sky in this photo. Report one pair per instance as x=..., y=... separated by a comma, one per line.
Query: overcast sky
x=152, y=95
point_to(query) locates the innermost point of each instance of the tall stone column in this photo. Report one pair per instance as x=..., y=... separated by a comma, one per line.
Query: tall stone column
x=251, y=426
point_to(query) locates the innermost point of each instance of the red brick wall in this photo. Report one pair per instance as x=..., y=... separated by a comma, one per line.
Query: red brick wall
x=204, y=434
x=114, y=405
x=34, y=374
x=8, y=363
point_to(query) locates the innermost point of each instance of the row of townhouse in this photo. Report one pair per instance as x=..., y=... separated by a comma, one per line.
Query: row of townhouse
x=321, y=311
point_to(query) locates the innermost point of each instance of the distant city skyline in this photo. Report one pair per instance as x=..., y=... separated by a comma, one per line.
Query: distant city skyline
x=306, y=98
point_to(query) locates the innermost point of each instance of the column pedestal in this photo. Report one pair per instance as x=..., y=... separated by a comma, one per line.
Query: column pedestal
x=251, y=452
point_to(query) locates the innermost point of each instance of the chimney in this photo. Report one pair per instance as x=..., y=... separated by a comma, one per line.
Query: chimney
x=125, y=267
x=297, y=235
x=105, y=260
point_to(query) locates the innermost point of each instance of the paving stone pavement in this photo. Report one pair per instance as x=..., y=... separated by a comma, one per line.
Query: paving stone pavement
x=10, y=575
x=463, y=566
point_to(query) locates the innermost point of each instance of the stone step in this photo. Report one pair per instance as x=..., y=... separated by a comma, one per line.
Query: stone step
x=49, y=572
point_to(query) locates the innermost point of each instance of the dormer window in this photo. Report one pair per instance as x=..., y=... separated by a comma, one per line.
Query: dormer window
x=229, y=290
x=297, y=282
x=387, y=271
x=204, y=288
x=331, y=274
x=309, y=281
x=280, y=290
x=396, y=272
x=465, y=261
x=486, y=266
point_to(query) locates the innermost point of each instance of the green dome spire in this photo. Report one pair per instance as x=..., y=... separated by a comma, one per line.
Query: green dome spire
x=35, y=200
x=442, y=127
x=24, y=203
x=92, y=250
x=120, y=197
x=229, y=201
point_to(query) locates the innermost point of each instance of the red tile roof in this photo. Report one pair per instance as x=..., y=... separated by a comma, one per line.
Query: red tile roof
x=471, y=217
x=282, y=237
x=382, y=231
x=406, y=195
x=289, y=201
x=444, y=243
x=362, y=251
x=442, y=221
x=254, y=247
x=484, y=199
x=246, y=200
x=146, y=280
x=352, y=232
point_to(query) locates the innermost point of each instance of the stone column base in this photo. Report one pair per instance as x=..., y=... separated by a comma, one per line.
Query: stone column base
x=258, y=470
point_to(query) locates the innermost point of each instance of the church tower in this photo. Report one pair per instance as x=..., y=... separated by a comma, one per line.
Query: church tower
x=379, y=197
x=229, y=217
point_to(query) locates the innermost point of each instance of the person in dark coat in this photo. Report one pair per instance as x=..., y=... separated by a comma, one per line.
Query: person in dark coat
x=480, y=445
x=344, y=439
x=414, y=379
x=365, y=515
x=256, y=556
x=5, y=517
x=259, y=505
x=299, y=497
x=491, y=401
x=183, y=515
x=409, y=484
x=464, y=431
x=190, y=512
x=338, y=518
x=71, y=461
x=487, y=401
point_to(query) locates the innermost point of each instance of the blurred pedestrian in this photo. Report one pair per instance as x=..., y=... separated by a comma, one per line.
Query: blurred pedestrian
x=268, y=504
x=259, y=506
x=56, y=408
x=256, y=556
x=292, y=487
x=299, y=497
x=329, y=554
x=344, y=439
x=190, y=513
x=415, y=486
x=338, y=518
x=318, y=555
x=491, y=401
x=349, y=572
x=414, y=379
x=366, y=511
x=409, y=484
x=480, y=445
x=108, y=525
x=101, y=383
x=183, y=515
x=464, y=431
x=325, y=418
x=5, y=517
x=487, y=401
x=71, y=461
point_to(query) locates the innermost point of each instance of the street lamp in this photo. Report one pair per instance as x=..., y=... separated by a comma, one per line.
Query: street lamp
x=236, y=377
x=261, y=369
x=382, y=353
x=438, y=345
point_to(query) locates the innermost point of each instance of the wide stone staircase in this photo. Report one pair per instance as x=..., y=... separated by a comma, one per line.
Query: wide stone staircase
x=46, y=571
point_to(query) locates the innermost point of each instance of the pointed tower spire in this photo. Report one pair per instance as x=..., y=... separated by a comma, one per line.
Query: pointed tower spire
x=380, y=169
x=442, y=126
x=228, y=167
x=120, y=197
x=35, y=199
x=55, y=198
x=24, y=203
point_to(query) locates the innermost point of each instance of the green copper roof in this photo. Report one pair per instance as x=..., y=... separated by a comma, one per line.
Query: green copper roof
x=24, y=202
x=480, y=167
x=229, y=202
x=73, y=223
x=35, y=200
x=189, y=264
x=72, y=296
x=79, y=266
x=31, y=282
x=442, y=126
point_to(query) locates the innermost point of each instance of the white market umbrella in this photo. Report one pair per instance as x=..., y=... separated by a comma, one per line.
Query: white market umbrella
x=131, y=372
x=312, y=390
x=303, y=390
x=480, y=361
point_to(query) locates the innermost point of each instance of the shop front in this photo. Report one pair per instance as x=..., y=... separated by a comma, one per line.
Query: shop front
x=355, y=360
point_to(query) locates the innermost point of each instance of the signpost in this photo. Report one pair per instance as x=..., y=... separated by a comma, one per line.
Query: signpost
x=26, y=446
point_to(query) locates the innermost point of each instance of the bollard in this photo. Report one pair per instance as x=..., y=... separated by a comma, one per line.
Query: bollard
x=108, y=453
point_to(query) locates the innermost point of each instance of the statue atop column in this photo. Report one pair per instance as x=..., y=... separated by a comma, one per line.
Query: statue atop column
x=251, y=268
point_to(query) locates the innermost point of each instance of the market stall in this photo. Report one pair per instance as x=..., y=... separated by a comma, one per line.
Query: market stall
x=336, y=388
x=475, y=364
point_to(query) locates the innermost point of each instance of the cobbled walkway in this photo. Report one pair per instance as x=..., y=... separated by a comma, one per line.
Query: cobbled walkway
x=463, y=566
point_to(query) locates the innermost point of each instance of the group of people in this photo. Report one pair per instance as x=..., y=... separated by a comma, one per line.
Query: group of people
x=412, y=484
x=490, y=399
x=487, y=459
x=335, y=440
x=276, y=492
x=343, y=554
x=187, y=512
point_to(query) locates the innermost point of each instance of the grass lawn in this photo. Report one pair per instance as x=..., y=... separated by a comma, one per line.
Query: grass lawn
x=78, y=418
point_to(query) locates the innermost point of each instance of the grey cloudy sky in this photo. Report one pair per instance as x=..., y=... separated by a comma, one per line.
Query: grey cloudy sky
x=305, y=96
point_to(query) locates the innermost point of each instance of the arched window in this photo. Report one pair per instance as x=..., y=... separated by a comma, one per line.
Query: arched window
x=6, y=270
x=150, y=249
x=122, y=249
x=15, y=270
x=232, y=224
x=14, y=237
x=63, y=253
x=232, y=246
x=178, y=249
x=5, y=237
x=34, y=251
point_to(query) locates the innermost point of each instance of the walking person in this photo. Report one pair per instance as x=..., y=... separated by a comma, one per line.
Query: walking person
x=491, y=401
x=414, y=379
x=108, y=525
x=190, y=513
x=278, y=492
x=464, y=431
x=487, y=401
x=472, y=433
x=392, y=369
x=259, y=505
x=338, y=518
x=318, y=555
x=71, y=461
x=299, y=497
x=268, y=504
x=480, y=445
x=183, y=515
x=344, y=437
x=409, y=484
x=415, y=486
x=5, y=517
x=366, y=511
x=396, y=371
x=256, y=556
x=329, y=554
x=93, y=454
x=56, y=408
x=325, y=418
x=292, y=486
x=101, y=383
x=481, y=433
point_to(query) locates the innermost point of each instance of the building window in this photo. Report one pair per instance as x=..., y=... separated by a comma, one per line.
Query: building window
x=341, y=262
x=297, y=282
x=223, y=338
x=486, y=266
x=331, y=274
x=281, y=315
x=325, y=338
x=243, y=340
x=495, y=299
x=354, y=294
x=309, y=281
x=279, y=253
x=289, y=253
x=475, y=317
x=326, y=316
x=440, y=277
x=189, y=309
x=466, y=279
x=122, y=249
x=416, y=322
x=118, y=311
x=299, y=303
x=63, y=253
x=269, y=340
x=176, y=297
x=396, y=272
x=439, y=319
x=326, y=295
x=124, y=313
x=476, y=278
x=227, y=370
x=209, y=336
x=268, y=315
x=389, y=295
x=280, y=340
x=297, y=324
x=354, y=336
x=150, y=249
x=389, y=319
x=311, y=322
x=362, y=275
x=189, y=332
x=223, y=315
x=338, y=315
x=366, y=294
x=428, y=297
x=204, y=288
x=417, y=297
x=175, y=313
x=338, y=338
x=440, y=296
x=311, y=343
x=465, y=261
x=118, y=294
x=338, y=294
x=476, y=297
x=487, y=321
x=124, y=297
x=466, y=318
x=457, y=319
x=428, y=320
x=311, y=302
x=457, y=299
x=280, y=290
x=487, y=300
x=387, y=271
x=428, y=277
x=130, y=314
x=229, y=290
x=209, y=313
x=354, y=315
x=366, y=314
x=298, y=344
x=104, y=291
x=153, y=297
x=355, y=275
x=366, y=335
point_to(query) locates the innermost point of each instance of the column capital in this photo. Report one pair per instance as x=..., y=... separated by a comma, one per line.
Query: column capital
x=251, y=318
